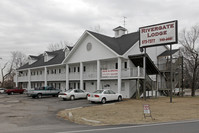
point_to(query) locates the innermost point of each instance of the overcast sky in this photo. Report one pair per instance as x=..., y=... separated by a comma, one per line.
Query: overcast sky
x=31, y=25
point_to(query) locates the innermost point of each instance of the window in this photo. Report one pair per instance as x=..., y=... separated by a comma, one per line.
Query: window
x=111, y=92
x=116, y=66
x=77, y=69
x=47, y=71
x=84, y=86
x=69, y=69
x=106, y=92
x=70, y=86
x=52, y=72
x=84, y=68
x=59, y=86
x=74, y=69
x=78, y=85
x=41, y=72
x=125, y=64
x=55, y=71
x=59, y=70
x=37, y=73
x=74, y=85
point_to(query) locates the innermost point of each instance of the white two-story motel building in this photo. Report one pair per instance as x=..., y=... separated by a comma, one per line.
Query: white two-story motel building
x=96, y=62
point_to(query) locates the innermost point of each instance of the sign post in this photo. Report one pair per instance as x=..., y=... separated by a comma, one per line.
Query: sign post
x=157, y=35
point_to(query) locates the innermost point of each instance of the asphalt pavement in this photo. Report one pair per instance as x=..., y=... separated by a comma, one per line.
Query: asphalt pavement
x=22, y=114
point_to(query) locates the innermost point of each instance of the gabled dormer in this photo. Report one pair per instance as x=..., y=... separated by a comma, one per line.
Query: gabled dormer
x=48, y=56
x=32, y=59
x=67, y=50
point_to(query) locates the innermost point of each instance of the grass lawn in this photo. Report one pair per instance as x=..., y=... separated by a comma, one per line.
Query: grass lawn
x=131, y=111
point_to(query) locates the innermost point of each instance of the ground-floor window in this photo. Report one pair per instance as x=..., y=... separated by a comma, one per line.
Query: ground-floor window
x=84, y=86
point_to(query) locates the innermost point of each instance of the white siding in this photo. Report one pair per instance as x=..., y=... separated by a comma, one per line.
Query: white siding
x=98, y=51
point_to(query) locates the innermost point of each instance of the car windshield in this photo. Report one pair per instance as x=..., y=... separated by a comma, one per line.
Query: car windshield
x=98, y=91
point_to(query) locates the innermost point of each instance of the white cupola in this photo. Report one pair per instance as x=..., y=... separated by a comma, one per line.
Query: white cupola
x=119, y=31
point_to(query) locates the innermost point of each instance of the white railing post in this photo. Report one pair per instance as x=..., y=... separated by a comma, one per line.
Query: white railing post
x=138, y=69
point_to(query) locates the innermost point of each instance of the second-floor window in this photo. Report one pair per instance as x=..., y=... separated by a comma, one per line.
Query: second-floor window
x=84, y=68
x=125, y=64
x=116, y=66
x=59, y=70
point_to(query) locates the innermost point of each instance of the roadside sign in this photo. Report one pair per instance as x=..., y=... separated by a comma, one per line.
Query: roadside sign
x=159, y=34
x=147, y=109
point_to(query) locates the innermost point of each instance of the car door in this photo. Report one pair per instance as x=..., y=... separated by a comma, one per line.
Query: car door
x=82, y=94
x=113, y=95
x=76, y=94
x=107, y=95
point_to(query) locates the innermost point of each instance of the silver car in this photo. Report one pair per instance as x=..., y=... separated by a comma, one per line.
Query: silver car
x=73, y=94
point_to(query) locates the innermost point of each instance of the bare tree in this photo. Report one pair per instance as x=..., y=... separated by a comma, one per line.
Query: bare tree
x=57, y=46
x=190, y=51
x=17, y=60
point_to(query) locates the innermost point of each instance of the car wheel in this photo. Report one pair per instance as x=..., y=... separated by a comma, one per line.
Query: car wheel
x=21, y=93
x=103, y=100
x=120, y=98
x=72, y=98
x=11, y=93
x=33, y=96
x=39, y=96
x=64, y=99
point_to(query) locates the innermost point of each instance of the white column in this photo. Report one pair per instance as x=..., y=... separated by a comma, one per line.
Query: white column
x=119, y=82
x=98, y=75
x=17, y=78
x=29, y=78
x=45, y=76
x=81, y=76
x=67, y=76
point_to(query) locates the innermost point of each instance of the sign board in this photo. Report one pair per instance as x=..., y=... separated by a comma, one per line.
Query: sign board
x=146, y=109
x=110, y=73
x=159, y=34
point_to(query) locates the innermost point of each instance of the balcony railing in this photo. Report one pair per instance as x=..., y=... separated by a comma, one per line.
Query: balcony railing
x=22, y=79
x=56, y=77
x=90, y=75
x=74, y=76
x=132, y=72
x=37, y=77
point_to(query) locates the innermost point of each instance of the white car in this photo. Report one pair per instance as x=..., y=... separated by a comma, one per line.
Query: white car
x=104, y=96
x=73, y=94
x=2, y=90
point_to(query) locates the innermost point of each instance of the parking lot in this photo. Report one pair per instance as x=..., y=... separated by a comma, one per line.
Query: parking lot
x=19, y=113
